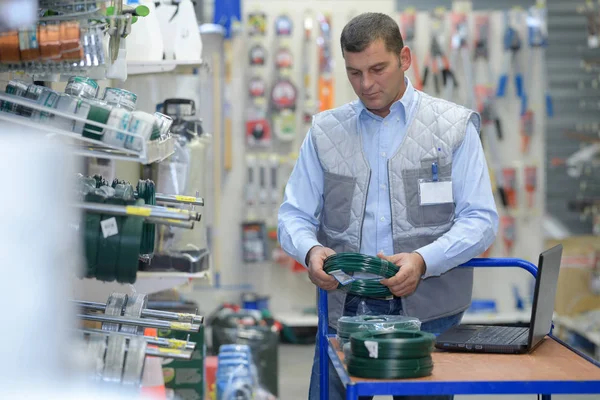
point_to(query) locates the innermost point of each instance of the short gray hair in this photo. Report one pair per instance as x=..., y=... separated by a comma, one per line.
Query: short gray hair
x=366, y=28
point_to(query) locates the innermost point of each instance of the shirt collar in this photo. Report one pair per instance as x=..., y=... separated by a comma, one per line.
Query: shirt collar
x=405, y=101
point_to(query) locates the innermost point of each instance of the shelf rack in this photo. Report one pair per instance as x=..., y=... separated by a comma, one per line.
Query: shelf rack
x=151, y=152
x=152, y=67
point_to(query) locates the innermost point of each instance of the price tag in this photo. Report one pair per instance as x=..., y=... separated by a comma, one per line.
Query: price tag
x=140, y=211
x=109, y=227
x=373, y=348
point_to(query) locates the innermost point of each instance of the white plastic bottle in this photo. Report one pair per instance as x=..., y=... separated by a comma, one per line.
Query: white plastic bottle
x=145, y=42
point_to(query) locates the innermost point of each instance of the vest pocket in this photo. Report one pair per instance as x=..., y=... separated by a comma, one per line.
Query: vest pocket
x=338, y=191
x=429, y=215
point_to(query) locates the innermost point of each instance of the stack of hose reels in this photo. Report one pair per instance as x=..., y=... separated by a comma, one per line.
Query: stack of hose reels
x=119, y=225
x=118, y=345
x=378, y=346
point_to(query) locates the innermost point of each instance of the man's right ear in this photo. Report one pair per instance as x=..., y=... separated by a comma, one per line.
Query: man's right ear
x=405, y=58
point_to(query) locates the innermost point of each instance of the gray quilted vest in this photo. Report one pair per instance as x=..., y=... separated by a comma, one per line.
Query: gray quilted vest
x=437, y=129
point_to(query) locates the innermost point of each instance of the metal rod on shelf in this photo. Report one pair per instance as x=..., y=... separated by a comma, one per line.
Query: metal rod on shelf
x=148, y=313
x=148, y=323
x=193, y=215
x=169, y=353
x=162, y=342
x=175, y=224
x=150, y=351
x=143, y=211
x=176, y=199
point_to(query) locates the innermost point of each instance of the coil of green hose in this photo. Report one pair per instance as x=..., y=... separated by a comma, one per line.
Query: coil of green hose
x=356, y=262
x=147, y=192
x=398, y=344
x=398, y=354
x=390, y=369
x=347, y=325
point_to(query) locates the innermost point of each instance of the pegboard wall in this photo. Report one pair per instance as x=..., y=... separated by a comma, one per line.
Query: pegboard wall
x=524, y=239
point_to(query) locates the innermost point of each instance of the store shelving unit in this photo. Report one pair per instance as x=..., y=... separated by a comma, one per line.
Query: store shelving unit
x=153, y=67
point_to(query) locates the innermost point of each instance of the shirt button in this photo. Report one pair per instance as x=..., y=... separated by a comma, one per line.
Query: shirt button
x=385, y=123
x=382, y=219
x=383, y=186
x=383, y=154
x=397, y=119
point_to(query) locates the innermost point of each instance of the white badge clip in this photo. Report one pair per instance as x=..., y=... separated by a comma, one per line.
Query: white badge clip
x=435, y=191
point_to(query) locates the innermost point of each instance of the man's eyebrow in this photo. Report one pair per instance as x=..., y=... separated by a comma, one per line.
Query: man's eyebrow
x=379, y=64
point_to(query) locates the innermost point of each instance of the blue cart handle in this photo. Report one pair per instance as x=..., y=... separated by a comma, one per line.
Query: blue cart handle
x=324, y=322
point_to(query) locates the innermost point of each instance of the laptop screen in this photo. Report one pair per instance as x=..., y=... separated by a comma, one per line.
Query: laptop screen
x=545, y=293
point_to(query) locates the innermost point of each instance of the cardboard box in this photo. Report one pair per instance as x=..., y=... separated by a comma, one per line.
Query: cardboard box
x=579, y=260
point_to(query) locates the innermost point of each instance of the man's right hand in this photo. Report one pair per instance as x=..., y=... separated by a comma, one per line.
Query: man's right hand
x=316, y=257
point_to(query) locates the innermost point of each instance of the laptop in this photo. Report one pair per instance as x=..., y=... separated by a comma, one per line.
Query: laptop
x=506, y=339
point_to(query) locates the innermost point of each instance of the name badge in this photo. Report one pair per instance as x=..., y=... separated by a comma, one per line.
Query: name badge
x=431, y=193
x=435, y=191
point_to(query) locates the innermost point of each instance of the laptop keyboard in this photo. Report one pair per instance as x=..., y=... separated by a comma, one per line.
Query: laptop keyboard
x=498, y=335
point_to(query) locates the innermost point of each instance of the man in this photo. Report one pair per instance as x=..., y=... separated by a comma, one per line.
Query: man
x=359, y=185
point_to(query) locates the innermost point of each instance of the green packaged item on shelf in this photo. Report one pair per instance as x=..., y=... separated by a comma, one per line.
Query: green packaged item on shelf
x=147, y=191
x=374, y=323
x=121, y=98
x=109, y=246
x=119, y=119
x=82, y=87
x=99, y=114
x=16, y=88
x=131, y=241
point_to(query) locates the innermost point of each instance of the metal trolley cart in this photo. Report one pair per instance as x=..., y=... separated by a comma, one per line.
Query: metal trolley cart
x=553, y=368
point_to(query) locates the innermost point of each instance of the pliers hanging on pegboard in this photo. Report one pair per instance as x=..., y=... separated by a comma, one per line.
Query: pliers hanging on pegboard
x=484, y=91
x=512, y=45
x=538, y=40
x=433, y=61
x=460, y=46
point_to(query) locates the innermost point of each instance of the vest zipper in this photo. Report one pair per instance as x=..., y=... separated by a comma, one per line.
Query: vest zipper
x=363, y=213
x=390, y=199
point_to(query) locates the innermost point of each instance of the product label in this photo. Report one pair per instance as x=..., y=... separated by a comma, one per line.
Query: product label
x=342, y=277
x=109, y=227
x=373, y=348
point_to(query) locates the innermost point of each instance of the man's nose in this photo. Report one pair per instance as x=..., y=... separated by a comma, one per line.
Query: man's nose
x=366, y=83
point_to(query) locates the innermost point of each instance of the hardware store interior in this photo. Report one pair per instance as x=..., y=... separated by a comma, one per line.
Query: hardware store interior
x=332, y=199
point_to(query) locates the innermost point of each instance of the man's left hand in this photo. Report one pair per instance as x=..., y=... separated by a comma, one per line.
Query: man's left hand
x=412, y=267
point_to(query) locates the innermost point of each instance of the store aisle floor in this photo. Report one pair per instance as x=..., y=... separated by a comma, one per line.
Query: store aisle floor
x=295, y=362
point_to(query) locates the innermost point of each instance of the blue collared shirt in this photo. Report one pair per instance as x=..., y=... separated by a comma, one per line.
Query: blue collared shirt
x=476, y=218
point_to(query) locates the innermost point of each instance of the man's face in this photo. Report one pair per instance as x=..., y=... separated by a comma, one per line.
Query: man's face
x=377, y=75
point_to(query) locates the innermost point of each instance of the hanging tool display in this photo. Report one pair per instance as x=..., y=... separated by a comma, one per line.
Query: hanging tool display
x=258, y=128
x=590, y=10
x=510, y=186
x=537, y=30
x=530, y=184
x=436, y=61
x=326, y=80
x=308, y=108
x=512, y=44
x=508, y=233
x=257, y=23
x=308, y=91
x=284, y=94
x=408, y=20
x=484, y=90
x=459, y=44
x=526, y=130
